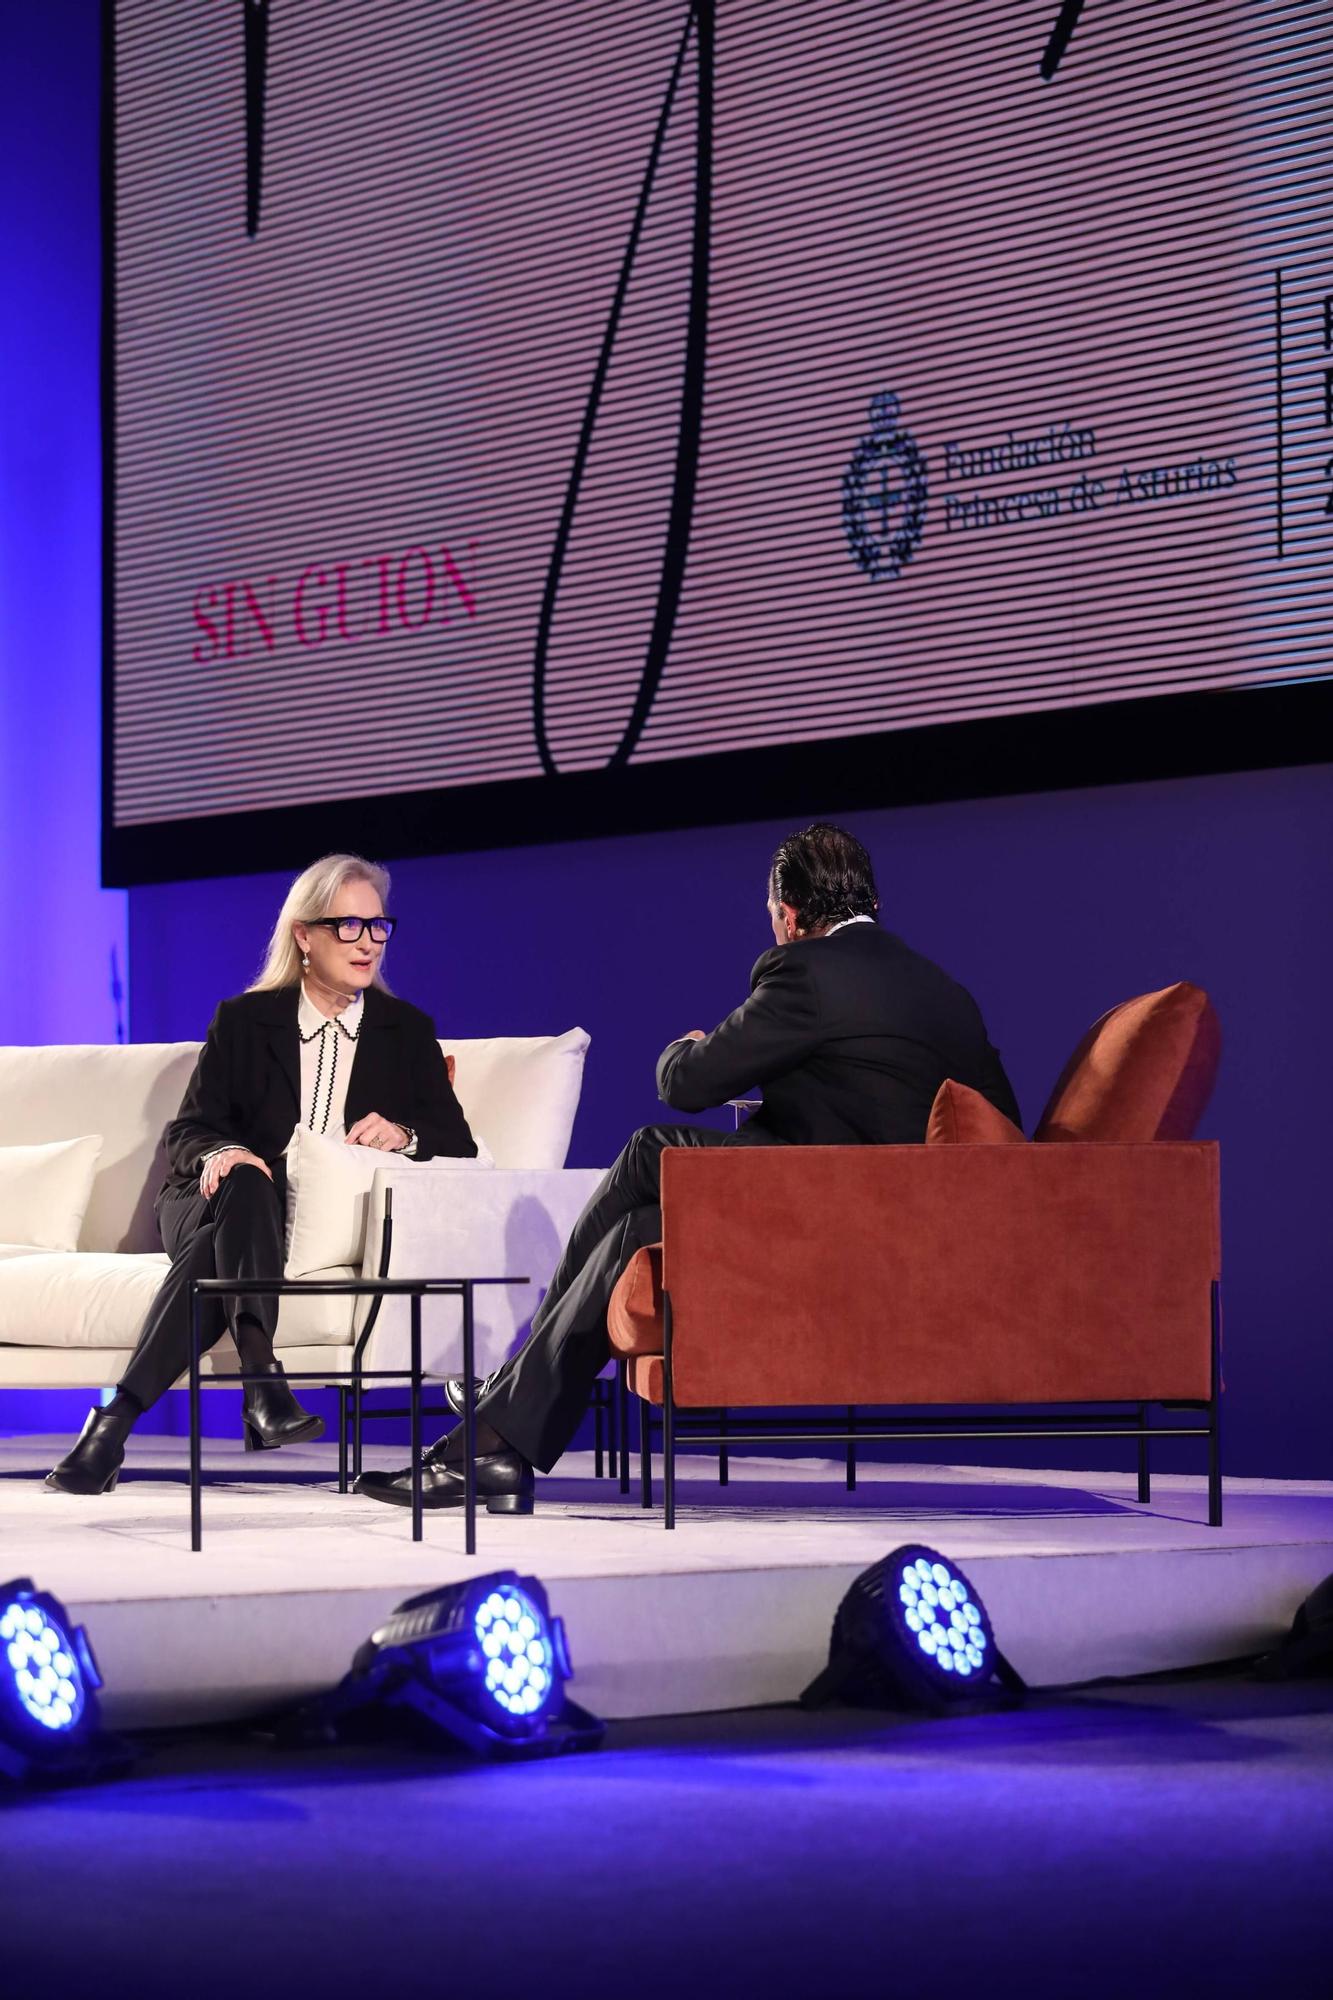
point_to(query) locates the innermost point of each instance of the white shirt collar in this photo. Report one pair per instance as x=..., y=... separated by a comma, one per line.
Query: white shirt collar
x=310, y=1021
x=845, y=922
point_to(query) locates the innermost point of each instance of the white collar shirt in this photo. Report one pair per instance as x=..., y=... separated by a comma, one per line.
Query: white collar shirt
x=328, y=1050
x=845, y=923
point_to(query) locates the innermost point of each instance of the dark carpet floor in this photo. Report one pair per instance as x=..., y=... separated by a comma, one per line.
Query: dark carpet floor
x=1169, y=1838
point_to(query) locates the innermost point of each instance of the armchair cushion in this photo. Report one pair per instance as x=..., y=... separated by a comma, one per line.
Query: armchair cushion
x=1144, y=1071
x=646, y=1377
x=634, y=1315
x=963, y=1117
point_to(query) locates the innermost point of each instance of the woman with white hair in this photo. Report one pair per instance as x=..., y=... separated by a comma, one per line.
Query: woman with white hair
x=318, y=1039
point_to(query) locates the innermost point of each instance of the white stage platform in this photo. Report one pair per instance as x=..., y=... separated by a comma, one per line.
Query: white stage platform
x=731, y=1610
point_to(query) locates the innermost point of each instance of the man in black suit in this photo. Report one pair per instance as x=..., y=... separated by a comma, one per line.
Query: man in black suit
x=847, y=1032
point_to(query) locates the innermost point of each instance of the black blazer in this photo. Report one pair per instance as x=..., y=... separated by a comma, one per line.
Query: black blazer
x=848, y=1037
x=246, y=1087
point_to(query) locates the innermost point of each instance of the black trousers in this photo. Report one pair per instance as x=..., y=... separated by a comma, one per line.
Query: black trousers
x=236, y=1233
x=537, y=1400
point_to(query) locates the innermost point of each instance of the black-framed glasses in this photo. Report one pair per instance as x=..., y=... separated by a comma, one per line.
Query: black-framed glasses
x=348, y=930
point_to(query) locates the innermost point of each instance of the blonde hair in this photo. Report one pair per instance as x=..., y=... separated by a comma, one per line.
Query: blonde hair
x=312, y=895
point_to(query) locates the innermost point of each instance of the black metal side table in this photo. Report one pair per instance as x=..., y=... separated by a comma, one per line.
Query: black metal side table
x=414, y=1289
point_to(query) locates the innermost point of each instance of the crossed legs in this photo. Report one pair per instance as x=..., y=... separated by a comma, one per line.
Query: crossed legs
x=235, y=1233
x=535, y=1401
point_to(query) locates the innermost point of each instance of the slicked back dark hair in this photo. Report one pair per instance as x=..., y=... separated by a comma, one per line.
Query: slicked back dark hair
x=824, y=873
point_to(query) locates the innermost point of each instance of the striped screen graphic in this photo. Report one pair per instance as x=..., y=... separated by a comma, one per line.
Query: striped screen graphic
x=516, y=390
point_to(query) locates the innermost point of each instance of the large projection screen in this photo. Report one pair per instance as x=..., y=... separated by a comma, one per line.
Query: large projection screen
x=530, y=419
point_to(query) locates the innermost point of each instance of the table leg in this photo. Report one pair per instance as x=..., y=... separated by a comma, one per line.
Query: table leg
x=416, y=1416
x=469, y=1426
x=196, y=1442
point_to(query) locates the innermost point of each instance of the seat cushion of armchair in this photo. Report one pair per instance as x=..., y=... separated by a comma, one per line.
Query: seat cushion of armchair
x=646, y=1374
x=1144, y=1071
x=634, y=1315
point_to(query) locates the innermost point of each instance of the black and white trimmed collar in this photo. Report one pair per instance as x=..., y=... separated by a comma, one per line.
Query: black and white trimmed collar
x=310, y=1022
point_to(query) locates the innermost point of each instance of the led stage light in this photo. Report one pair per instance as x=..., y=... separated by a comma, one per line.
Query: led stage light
x=482, y=1663
x=1306, y=1652
x=49, y=1725
x=913, y=1632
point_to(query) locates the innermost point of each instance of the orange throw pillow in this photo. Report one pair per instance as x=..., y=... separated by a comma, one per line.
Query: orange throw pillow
x=963, y=1117
x=1144, y=1071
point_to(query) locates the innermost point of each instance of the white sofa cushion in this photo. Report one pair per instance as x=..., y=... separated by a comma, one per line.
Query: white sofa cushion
x=102, y=1367
x=328, y=1196
x=100, y=1299
x=520, y=1093
x=44, y=1191
x=127, y=1092
x=95, y=1298
x=319, y=1321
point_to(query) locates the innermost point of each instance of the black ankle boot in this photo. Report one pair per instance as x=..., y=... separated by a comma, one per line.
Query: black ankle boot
x=272, y=1414
x=94, y=1464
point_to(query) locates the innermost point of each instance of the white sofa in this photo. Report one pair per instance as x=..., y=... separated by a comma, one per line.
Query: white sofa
x=70, y=1318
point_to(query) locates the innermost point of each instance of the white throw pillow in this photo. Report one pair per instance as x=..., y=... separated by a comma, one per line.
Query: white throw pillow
x=328, y=1198
x=520, y=1093
x=45, y=1190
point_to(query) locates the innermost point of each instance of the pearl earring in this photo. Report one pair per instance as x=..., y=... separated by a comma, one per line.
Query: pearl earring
x=305, y=962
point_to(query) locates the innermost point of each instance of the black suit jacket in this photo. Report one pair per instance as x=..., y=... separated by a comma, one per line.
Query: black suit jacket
x=246, y=1087
x=849, y=1037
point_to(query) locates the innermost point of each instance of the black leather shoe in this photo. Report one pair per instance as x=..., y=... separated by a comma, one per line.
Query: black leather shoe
x=453, y=1392
x=94, y=1464
x=272, y=1415
x=504, y=1483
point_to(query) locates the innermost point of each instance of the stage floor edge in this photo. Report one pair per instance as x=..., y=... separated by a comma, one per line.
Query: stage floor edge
x=733, y=1610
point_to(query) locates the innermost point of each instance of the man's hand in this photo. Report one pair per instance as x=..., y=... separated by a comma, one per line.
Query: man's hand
x=216, y=1169
x=372, y=1130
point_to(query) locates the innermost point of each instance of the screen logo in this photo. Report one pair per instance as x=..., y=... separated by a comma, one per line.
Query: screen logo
x=884, y=493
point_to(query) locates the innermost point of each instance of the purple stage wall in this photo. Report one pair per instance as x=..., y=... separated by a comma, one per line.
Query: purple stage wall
x=58, y=976
x=1050, y=908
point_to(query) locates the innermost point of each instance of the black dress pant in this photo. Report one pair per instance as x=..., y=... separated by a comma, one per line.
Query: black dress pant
x=238, y=1232
x=536, y=1400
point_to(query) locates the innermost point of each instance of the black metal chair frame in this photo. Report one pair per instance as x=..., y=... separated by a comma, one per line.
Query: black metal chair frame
x=1066, y=1420
x=610, y=1426
x=650, y=1418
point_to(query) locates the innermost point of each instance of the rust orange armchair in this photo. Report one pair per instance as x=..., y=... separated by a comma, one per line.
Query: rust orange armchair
x=974, y=1271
